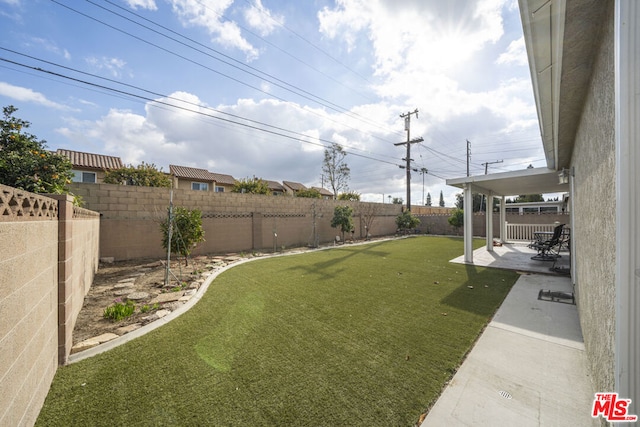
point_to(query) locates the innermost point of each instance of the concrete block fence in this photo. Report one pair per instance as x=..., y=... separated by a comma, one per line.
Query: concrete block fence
x=130, y=218
x=48, y=256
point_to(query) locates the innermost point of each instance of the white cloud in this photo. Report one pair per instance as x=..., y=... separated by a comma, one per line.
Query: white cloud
x=210, y=16
x=515, y=54
x=28, y=95
x=113, y=66
x=51, y=46
x=262, y=19
x=142, y=4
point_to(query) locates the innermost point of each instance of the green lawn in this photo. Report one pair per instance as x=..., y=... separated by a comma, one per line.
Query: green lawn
x=359, y=335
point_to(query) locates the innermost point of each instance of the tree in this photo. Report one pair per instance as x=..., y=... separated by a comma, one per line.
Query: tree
x=397, y=201
x=353, y=196
x=407, y=221
x=529, y=198
x=477, y=200
x=457, y=218
x=342, y=218
x=428, y=202
x=252, y=186
x=25, y=162
x=310, y=193
x=441, y=203
x=145, y=175
x=369, y=212
x=335, y=168
x=186, y=232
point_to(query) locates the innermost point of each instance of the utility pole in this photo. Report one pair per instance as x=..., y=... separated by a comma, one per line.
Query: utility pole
x=468, y=155
x=486, y=170
x=407, y=127
x=423, y=171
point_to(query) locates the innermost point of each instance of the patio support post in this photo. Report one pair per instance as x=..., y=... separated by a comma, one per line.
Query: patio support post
x=627, y=132
x=503, y=220
x=468, y=224
x=489, y=221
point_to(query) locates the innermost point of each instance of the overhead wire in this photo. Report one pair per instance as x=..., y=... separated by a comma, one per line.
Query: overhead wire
x=265, y=76
x=277, y=130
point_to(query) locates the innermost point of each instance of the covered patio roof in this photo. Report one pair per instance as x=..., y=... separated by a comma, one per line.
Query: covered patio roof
x=527, y=181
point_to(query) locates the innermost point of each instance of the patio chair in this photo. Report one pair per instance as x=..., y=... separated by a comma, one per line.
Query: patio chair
x=547, y=247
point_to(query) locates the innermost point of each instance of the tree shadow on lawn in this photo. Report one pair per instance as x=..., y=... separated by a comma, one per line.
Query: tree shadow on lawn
x=483, y=292
x=322, y=268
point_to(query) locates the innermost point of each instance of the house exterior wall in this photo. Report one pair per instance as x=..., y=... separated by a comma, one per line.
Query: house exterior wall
x=232, y=222
x=594, y=222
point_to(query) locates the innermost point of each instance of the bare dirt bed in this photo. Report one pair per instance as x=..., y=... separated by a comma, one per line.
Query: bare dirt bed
x=118, y=281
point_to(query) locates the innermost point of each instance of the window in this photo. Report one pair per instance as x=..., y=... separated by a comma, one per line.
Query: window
x=81, y=176
x=548, y=209
x=219, y=189
x=201, y=186
x=531, y=210
x=512, y=210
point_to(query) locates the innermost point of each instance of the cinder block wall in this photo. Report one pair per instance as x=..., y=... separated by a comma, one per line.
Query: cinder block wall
x=48, y=257
x=232, y=222
x=594, y=219
x=28, y=303
x=78, y=256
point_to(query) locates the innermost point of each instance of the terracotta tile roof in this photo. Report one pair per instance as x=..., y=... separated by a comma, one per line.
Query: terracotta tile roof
x=200, y=174
x=221, y=178
x=323, y=191
x=191, y=173
x=91, y=161
x=296, y=186
x=274, y=185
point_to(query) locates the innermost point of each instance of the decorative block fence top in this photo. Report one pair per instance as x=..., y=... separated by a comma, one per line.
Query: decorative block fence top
x=20, y=205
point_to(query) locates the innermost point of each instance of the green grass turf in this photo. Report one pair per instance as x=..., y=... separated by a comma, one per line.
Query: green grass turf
x=350, y=336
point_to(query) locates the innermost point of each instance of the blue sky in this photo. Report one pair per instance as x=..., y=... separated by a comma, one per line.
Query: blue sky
x=150, y=80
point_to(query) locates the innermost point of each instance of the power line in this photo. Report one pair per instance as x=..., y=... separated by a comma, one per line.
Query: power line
x=278, y=130
x=274, y=80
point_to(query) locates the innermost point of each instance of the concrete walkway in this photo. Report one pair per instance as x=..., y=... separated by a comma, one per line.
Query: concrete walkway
x=528, y=368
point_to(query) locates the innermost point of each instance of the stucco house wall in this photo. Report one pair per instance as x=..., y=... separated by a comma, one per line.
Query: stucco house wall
x=594, y=201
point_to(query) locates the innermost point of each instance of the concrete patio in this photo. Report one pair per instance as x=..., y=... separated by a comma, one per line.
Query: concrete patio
x=528, y=367
x=516, y=256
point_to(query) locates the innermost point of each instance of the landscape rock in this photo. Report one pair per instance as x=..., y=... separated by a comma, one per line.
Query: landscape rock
x=168, y=297
x=125, y=291
x=128, y=279
x=136, y=296
x=161, y=313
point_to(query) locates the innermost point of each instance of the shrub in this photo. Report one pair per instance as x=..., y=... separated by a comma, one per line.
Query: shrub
x=187, y=231
x=119, y=311
x=406, y=221
x=457, y=218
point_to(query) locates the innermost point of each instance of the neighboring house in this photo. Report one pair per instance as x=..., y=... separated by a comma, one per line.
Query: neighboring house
x=89, y=167
x=292, y=188
x=584, y=58
x=536, y=207
x=223, y=183
x=188, y=178
x=275, y=187
x=326, y=194
x=200, y=179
